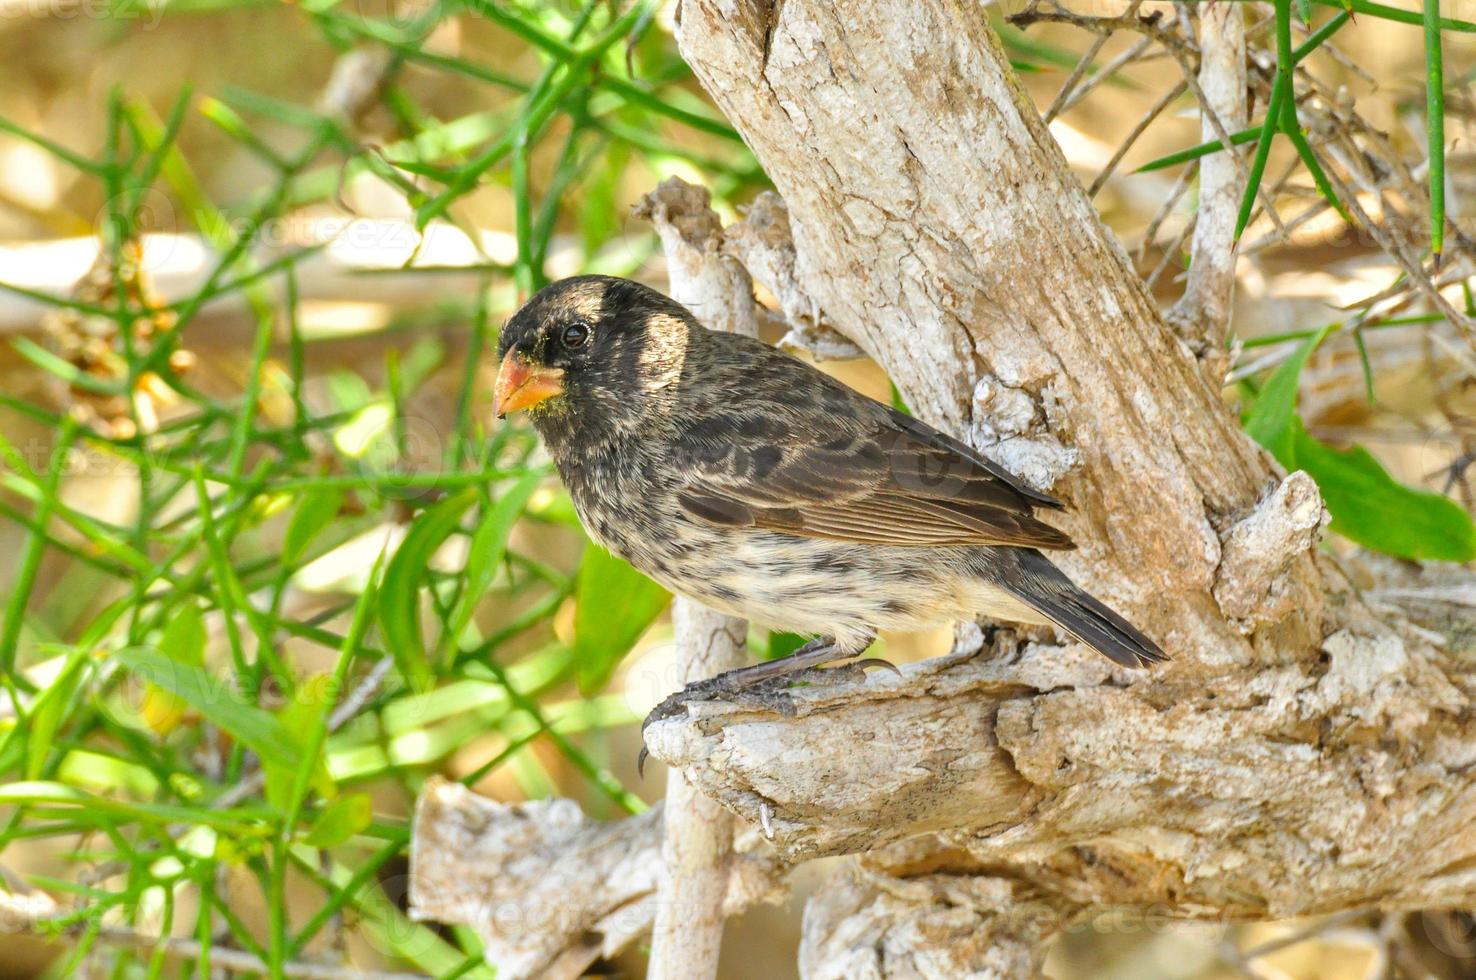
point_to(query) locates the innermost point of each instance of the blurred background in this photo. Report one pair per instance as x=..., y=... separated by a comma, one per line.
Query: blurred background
x=253, y=256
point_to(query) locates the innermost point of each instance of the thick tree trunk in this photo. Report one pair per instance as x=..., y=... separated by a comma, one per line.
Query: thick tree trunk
x=1308, y=749
x=938, y=225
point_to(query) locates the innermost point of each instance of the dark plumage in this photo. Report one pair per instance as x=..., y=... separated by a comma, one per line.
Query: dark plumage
x=737, y=475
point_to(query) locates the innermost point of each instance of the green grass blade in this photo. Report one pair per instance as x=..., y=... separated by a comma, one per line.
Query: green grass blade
x=77, y=160
x=1304, y=150
x=219, y=700
x=1263, y=153
x=1203, y=149
x=1384, y=12
x=406, y=575
x=1435, y=125
x=35, y=547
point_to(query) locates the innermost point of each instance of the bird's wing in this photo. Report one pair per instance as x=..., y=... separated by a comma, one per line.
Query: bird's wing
x=850, y=469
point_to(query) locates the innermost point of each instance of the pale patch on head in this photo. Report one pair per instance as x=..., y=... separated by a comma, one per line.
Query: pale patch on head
x=588, y=303
x=664, y=352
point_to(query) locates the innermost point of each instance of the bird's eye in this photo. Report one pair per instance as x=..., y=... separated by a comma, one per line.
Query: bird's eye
x=575, y=335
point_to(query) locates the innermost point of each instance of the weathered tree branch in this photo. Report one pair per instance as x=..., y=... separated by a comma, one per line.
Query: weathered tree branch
x=1307, y=750
x=1203, y=313
x=763, y=242
x=870, y=924
x=547, y=889
x=1310, y=787
x=937, y=224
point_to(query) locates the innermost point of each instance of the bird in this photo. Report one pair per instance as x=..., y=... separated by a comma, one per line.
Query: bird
x=752, y=482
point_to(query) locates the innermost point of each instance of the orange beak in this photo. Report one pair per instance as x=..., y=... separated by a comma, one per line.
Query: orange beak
x=522, y=385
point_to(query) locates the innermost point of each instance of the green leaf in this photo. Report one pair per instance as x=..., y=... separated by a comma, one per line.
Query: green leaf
x=184, y=637
x=615, y=604
x=1262, y=154
x=343, y=818
x=277, y=785
x=50, y=709
x=315, y=700
x=103, y=810
x=310, y=699
x=1386, y=12
x=897, y=401
x=315, y=511
x=218, y=700
x=182, y=641
x=488, y=548
x=1270, y=420
x=60, y=366
x=1368, y=506
x=489, y=541
x=1203, y=149
x=400, y=594
x=1309, y=158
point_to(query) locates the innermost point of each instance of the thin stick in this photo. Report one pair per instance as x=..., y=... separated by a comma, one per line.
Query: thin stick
x=1203, y=313
x=697, y=851
x=1132, y=137
x=1166, y=208
x=1082, y=65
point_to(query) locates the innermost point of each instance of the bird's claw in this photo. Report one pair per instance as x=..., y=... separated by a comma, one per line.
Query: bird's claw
x=706, y=690
x=741, y=686
x=673, y=704
x=870, y=662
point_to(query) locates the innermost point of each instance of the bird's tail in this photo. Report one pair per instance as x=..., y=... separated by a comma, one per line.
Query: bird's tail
x=1032, y=579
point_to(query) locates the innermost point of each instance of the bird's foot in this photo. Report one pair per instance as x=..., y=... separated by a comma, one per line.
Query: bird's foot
x=711, y=689
x=750, y=685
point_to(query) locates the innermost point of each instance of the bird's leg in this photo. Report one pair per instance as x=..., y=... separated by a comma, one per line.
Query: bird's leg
x=820, y=650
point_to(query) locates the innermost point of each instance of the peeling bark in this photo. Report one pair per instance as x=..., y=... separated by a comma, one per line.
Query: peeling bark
x=868, y=924
x=937, y=225
x=1309, y=749
x=548, y=890
x=763, y=242
x=1251, y=585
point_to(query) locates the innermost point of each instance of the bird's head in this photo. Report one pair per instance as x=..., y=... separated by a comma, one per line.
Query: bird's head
x=595, y=354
